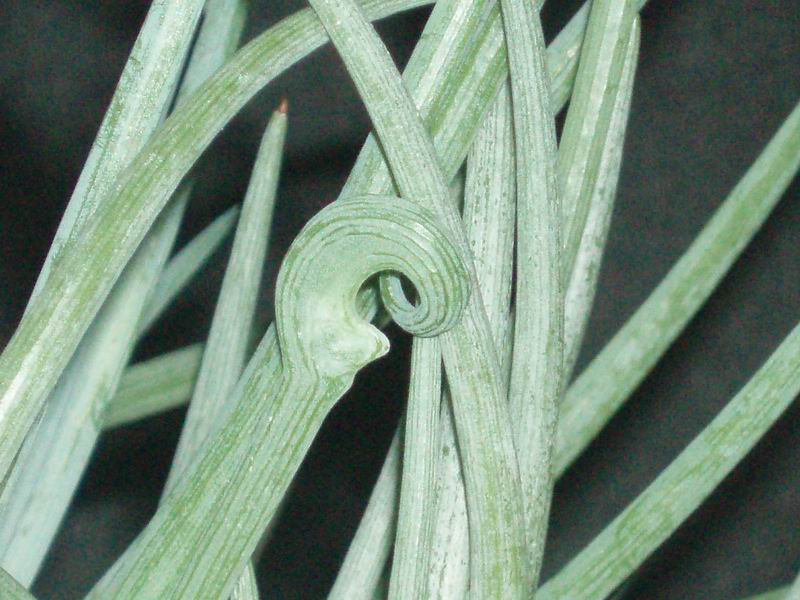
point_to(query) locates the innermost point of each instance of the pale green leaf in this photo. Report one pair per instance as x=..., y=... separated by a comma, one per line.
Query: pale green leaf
x=494, y=495
x=182, y=267
x=10, y=589
x=43, y=345
x=562, y=64
x=226, y=349
x=225, y=352
x=538, y=357
x=154, y=386
x=602, y=59
x=658, y=511
x=208, y=526
x=614, y=374
x=52, y=461
x=582, y=282
x=489, y=217
x=144, y=92
x=86, y=270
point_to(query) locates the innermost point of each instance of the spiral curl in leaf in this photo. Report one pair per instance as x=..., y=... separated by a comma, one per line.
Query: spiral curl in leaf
x=318, y=324
x=324, y=339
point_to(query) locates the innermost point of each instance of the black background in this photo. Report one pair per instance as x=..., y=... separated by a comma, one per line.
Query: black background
x=715, y=80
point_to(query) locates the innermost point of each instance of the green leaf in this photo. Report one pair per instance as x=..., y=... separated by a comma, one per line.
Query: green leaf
x=145, y=90
x=612, y=376
x=52, y=461
x=538, y=357
x=154, y=386
x=48, y=335
x=650, y=519
x=412, y=548
x=10, y=589
x=415, y=528
x=489, y=218
x=494, y=495
x=605, y=46
x=582, y=282
x=562, y=64
x=182, y=267
x=208, y=526
x=86, y=269
x=225, y=352
x=167, y=381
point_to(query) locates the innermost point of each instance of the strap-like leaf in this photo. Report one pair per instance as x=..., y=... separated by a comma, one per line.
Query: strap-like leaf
x=537, y=362
x=10, y=588
x=208, y=526
x=650, y=519
x=494, y=498
x=182, y=267
x=52, y=461
x=611, y=377
x=154, y=386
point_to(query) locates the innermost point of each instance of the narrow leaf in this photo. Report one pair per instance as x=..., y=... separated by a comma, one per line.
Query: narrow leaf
x=225, y=352
x=10, y=588
x=412, y=548
x=612, y=376
x=583, y=279
x=650, y=519
x=208, y=526
x=52, y=461
x=489, y=218
x=143, y=94
x=48, y=335
x=61, y=312
x=538, y=357
x=602, y=59
x=154, y=386
x=370, y=175
x=414, y=543
x=494, y=495
x=185, y=265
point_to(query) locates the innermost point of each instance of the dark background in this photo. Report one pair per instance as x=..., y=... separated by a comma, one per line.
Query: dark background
x=715, y=80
